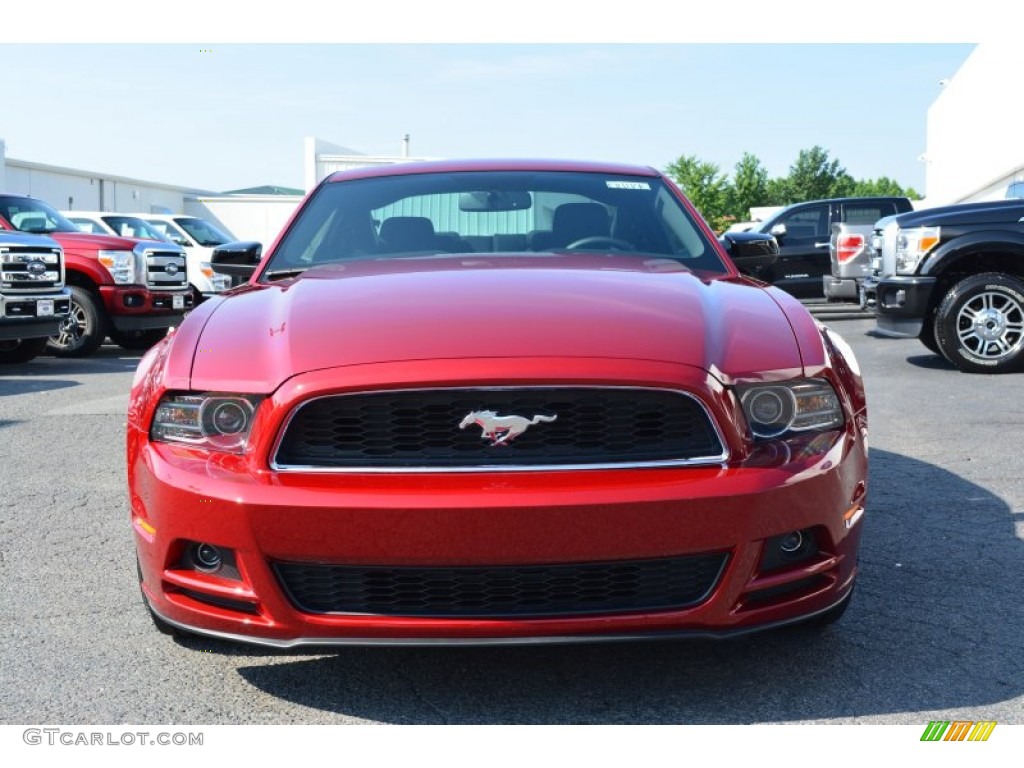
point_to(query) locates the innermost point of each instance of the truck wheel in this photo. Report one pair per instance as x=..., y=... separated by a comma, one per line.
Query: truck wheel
x=21, y=350
x=134, y=340
x=979, y=325
x=84, y=329
x=927, y=337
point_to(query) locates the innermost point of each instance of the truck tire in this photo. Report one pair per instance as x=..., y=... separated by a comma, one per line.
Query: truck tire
x=21, y=350
x=927, y=337
x=979, y=325
x=137, y=340
x=85, y=328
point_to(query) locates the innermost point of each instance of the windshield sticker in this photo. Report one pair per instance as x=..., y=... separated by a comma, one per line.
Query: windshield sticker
x=628, y=185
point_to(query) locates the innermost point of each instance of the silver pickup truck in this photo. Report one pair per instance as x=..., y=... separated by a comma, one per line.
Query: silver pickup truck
x=33, y=299
x=850, y=250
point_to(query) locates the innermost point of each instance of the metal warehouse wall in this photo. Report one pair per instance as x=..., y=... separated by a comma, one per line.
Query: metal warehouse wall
x=68, y=189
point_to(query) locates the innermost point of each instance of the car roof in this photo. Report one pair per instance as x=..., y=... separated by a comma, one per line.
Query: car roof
x=99, y=214
x=463, y=166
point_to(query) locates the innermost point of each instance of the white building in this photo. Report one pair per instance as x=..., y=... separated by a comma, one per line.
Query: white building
x=975, y=138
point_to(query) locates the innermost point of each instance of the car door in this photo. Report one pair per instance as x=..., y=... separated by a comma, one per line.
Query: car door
x=803, y=251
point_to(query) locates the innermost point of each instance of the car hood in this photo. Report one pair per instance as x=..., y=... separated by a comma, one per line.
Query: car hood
x=84, y=241
x=993, y=212
x=557, y=306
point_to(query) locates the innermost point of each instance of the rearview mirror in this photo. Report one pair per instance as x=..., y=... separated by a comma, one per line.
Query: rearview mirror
x=494, y=200
x=751, y=251
x=239, y=260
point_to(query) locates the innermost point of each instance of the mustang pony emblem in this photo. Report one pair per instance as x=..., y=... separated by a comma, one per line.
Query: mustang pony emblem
x=501, y=430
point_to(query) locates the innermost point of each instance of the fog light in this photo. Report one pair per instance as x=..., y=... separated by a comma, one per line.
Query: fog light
x=206, y=557
x=791, y=542
x=133, y=300
x=788, y=550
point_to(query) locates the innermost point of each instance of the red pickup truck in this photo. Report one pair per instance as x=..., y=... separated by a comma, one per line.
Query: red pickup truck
x=130, y=290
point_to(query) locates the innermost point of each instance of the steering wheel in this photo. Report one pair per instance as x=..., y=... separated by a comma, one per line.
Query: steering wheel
x=613, y=242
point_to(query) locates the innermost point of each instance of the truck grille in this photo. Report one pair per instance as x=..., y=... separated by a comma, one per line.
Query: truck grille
x=31, y=269
x=503, y=591
x=435, y=430
x=166, y=270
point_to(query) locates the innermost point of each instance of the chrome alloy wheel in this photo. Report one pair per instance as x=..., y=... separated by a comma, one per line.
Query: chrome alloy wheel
x=991, y=325
x=69, y=334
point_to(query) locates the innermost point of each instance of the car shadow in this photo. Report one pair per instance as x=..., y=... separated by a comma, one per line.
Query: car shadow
x=12, y=386
x=107, y=359
x=931, y=362
x=932, y=626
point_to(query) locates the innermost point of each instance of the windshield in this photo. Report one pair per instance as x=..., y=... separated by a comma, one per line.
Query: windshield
x=132, y=226
x=203, y=232
x=35, y=216
x=88, y=226
x=493, y=212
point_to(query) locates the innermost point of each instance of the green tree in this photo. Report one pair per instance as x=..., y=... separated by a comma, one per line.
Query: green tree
x=814, y=176
x=778, y=191
x=749, y=186
x=706, y=187
x=882, y=186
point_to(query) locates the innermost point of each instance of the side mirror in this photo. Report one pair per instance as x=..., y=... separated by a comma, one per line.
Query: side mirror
x=751, y=251
x=239, y=260
x=779, y=230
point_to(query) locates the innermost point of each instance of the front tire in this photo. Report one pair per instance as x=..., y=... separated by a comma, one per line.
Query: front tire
x=85, y=328
x=21, y=350
x=137, y=340
x=979, y=325
x=927, y=337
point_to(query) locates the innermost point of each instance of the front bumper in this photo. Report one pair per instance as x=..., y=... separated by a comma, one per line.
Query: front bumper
x=180, y=495
x=136, y=308
x=902, y=304
x=21, y=316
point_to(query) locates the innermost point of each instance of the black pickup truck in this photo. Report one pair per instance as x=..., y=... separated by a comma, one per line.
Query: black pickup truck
x=954, y=278
x=803, y=231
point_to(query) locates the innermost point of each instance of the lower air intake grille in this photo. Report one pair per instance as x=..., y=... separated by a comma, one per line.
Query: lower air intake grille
x=501, y=591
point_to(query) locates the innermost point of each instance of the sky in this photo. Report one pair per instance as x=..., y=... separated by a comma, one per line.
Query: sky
x=234, y=114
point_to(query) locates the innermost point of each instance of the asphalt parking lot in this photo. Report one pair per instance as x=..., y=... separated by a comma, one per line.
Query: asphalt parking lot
x=934, y=631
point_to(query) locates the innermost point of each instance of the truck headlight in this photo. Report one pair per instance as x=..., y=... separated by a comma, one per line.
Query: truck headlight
x=121, y=265
x=218, y=281
x=912, y=245
x=797, y=406
x=216, y=421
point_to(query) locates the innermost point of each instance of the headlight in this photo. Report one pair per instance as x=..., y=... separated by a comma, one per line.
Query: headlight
x=218, y=422
x=121, y=265
x=800, y=406
x=218, y=281
x=912, y=245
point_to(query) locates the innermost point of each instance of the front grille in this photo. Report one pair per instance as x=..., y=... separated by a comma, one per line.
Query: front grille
x=503, y=591
x=420, y=430
x=31, y=269
x=165, y=270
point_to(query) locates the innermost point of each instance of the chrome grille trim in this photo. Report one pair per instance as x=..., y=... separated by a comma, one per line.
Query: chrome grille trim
x=710, y=460
x=14, y=274
x=156, y=262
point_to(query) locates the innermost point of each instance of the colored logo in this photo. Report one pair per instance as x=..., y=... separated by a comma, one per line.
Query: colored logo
x=501, y=430
x=171, y=268
x=36, y=268
x=958, y=730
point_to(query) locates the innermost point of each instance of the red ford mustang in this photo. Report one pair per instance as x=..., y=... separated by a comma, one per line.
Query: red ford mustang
x=496, y=402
